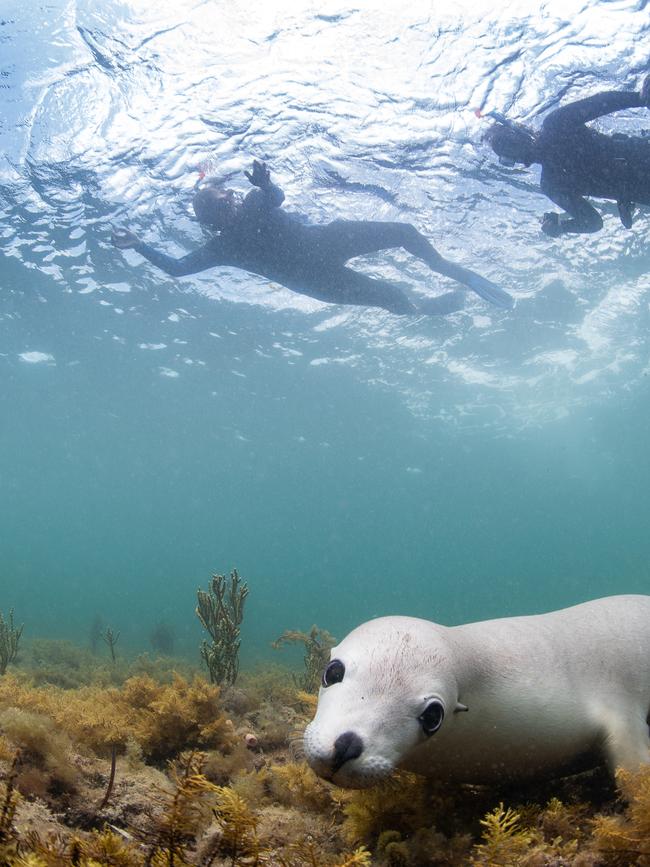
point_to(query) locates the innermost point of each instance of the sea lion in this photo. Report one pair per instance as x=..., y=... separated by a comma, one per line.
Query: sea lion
x=490, y=701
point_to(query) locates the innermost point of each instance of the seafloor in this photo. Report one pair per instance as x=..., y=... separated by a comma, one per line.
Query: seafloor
x=144, y=762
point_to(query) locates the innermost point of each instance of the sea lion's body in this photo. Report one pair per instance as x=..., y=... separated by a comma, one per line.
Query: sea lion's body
x=518, y=697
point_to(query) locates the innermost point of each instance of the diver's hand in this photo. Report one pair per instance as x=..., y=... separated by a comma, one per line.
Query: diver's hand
x=124, y=239
x=551, y=225
x=645, y=91
x=260, y=176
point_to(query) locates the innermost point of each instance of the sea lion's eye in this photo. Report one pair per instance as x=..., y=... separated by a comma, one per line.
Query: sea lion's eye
x=333, y=673
x=431, y=717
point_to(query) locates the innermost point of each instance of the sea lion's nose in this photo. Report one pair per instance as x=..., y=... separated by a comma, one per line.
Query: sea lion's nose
x=347, y=746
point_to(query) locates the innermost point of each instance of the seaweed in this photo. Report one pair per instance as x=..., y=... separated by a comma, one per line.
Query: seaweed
x=60, y=663
x=221, y=610
x=504, y=840
x=45, y=752
x=237, y=807
x=172, y=834
x=272, y=685
x=167, y=719
x=164, y=719
x=111, y=638
x=9, y=639
x=307, y=853
x=625, y=839
x=238, y=828
x=9, y=800
x=296, y=785
x=318, y=644
x=111, y=779
x=109, y=848
x=401, y=804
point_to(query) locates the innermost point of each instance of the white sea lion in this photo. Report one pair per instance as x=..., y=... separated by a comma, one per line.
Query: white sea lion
x=490, y=701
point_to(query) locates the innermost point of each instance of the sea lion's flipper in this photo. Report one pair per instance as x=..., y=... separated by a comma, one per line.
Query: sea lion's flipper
x=627, y=742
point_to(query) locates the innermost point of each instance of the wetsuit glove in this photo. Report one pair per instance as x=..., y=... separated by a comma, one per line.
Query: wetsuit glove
x=551, y=225
x=260, y=176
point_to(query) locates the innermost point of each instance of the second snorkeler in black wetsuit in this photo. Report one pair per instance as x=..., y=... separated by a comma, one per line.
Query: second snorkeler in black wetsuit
x=256, y=235
x=578, y=161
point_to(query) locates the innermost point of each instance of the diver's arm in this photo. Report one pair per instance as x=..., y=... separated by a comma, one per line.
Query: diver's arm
x=266, y=199
x=201, y=259
x=583, y=217
x=267, y=195
x=584, y=110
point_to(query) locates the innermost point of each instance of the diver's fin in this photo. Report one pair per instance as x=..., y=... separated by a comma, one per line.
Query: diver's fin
x=626, y=213
x=490, y=292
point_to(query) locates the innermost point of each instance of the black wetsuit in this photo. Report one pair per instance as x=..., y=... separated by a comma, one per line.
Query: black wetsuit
x=578, y=161
x=310, y=259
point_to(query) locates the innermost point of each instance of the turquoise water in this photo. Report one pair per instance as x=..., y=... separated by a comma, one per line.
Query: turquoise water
x=349, y=463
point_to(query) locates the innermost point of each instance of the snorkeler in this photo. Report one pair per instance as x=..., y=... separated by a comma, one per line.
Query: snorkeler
x=578, y=161
x=255, y=235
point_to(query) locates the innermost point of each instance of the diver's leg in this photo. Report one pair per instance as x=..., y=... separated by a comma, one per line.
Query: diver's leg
x=442, y=305
x=416, y=244
x=352, y=287
x=344, y=239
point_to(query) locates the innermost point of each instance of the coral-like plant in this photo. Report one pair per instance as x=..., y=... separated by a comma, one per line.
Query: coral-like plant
x=111, y=638
x=399, y=804
x=393, y=849
x=625, y=839
x=184, y=812
x=9, y=800
x=504, y=840
x=307, y=853
x=317, y=643
x=221, y=610
x=164, y=719
x=238, y=828
x=359, y=858
x=45, y=751
x=108, y=848
x=296, y=785
x=169, y=718
x=59, y=663
x=9, y=638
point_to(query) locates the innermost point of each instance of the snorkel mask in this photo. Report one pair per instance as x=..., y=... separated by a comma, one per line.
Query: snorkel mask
x=521, y=137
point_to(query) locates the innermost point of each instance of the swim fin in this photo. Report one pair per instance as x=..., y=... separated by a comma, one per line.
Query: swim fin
x=490, y=292
x=626, y=213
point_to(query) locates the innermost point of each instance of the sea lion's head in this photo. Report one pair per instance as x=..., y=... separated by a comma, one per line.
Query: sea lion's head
x=387, y=689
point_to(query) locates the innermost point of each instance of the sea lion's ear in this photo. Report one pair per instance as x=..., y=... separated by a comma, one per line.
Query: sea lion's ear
x=460, y=707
